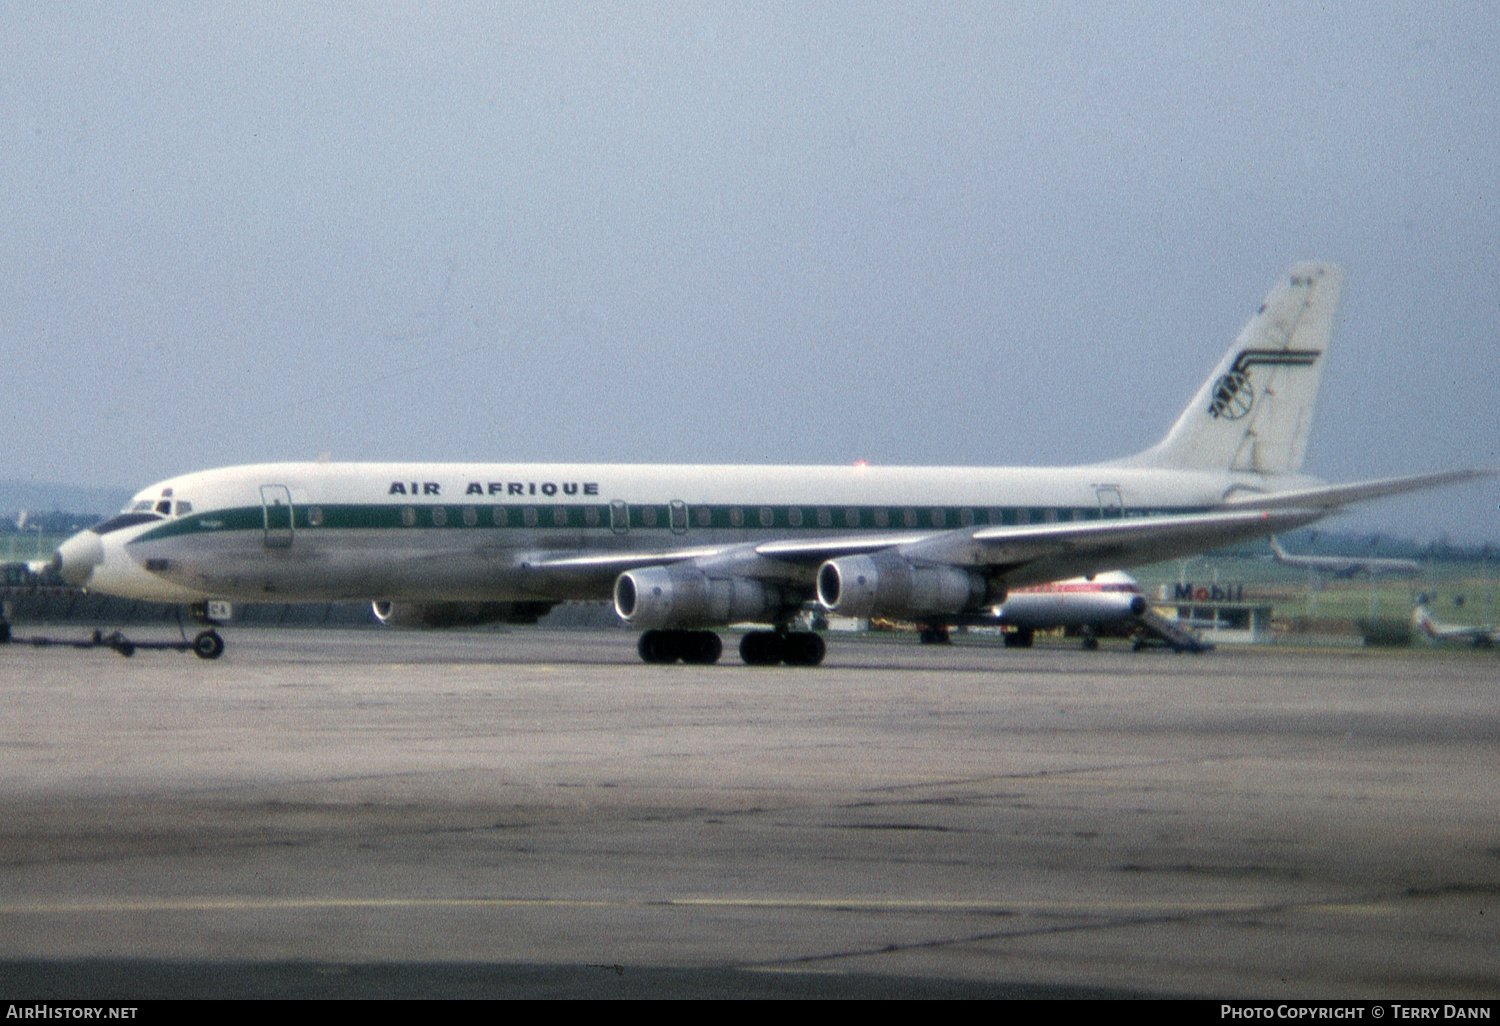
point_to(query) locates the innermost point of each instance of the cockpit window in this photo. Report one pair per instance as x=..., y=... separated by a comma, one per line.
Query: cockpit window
x=123, y=520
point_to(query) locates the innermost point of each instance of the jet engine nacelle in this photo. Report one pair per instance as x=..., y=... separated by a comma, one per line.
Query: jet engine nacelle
x=885, y=584
x=669, y=596
x=439, y=615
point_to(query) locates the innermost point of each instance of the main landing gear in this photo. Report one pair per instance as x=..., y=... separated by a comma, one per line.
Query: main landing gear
x=697, y=648
x=1022, y=638
x=757, y=648
x=795, y=648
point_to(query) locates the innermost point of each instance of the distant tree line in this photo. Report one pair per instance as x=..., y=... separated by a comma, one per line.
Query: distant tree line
x=51, y=522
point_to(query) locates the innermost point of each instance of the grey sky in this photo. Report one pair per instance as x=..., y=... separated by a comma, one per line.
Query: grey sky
x=721, y=232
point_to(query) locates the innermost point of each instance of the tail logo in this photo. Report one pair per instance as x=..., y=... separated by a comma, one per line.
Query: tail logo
x=1234, y=395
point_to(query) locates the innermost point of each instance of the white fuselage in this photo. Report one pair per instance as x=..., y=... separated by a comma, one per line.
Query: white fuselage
x=1079, y=602
x=450, y=531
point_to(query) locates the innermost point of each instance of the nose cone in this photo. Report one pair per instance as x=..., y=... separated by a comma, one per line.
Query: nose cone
x=77, y=558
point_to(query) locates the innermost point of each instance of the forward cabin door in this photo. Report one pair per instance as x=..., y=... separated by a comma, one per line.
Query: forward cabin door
x=276, y=504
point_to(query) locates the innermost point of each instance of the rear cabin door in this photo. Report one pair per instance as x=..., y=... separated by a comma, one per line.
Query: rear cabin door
x=1111, y=502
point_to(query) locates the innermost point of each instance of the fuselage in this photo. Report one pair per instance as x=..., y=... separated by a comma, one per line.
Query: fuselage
x=683, y=550
x=1078, y=602
x=458, y=531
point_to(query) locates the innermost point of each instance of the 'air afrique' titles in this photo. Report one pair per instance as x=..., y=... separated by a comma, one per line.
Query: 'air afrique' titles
x=501, y=488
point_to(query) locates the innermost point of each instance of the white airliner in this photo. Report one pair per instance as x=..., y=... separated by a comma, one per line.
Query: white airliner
x=1345, y=566
x=1107, y=603
x=1479, y=637
x=684, y=549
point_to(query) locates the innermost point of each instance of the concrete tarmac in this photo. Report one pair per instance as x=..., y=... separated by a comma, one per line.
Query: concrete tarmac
x=534, y=813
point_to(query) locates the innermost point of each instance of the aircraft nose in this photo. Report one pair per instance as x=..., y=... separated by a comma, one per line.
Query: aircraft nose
x=77, y=557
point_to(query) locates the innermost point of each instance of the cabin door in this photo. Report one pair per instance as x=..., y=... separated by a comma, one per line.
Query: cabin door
x=1111, y=503
x=276, y=504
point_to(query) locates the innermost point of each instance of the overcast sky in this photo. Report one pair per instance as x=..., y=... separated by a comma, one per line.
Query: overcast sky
x=921, y=232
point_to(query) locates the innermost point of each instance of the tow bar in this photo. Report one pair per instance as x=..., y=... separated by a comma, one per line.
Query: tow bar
x=206, y=645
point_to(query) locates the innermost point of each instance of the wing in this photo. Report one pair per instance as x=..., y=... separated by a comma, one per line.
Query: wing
x=1020, y=555
x=979, y=560
x=1049, y=552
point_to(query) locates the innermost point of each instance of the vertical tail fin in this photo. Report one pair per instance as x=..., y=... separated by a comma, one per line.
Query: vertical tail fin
x=1254, y=412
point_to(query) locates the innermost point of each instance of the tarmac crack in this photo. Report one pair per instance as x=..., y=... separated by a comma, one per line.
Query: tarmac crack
x=1250, y=912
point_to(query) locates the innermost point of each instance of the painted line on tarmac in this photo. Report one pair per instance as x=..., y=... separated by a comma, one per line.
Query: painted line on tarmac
x=235, y=903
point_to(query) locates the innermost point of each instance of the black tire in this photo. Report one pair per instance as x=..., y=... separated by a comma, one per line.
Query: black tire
x=701, y=648
x=1018, y=639
x=803, y=649
x=208, y=645
x=761, y=648
x=658, y=647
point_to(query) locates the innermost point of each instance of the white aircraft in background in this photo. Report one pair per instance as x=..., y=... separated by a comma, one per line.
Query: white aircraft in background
x=1345, y=566
x=1480, y=637
x=686, y=549
x=1105, y=605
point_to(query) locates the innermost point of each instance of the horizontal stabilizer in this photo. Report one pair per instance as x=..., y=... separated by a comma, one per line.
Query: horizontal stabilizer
x=1328, y=497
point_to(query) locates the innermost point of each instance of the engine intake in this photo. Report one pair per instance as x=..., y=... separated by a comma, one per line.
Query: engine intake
x=884, y=584
x=671, y=596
